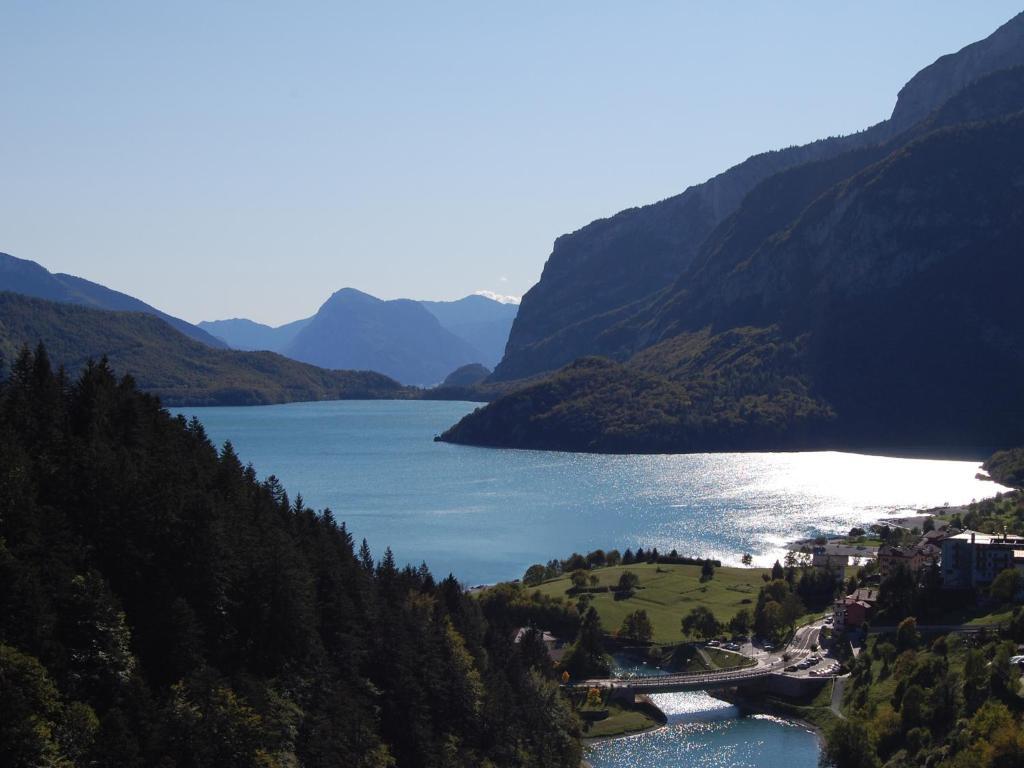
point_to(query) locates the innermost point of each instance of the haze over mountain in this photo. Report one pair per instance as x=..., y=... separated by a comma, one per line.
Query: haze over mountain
x=479, y=320
x=856, y=291
x=31, y=279
x=395, y=337
x=240, y=333
x=398, y=338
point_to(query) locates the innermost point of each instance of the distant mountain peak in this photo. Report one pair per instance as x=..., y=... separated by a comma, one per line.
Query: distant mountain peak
x=500, y=298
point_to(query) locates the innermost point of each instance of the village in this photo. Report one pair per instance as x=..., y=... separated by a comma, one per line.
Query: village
x=965, y=561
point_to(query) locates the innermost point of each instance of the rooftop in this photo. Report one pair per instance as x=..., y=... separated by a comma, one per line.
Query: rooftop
x=988, y=538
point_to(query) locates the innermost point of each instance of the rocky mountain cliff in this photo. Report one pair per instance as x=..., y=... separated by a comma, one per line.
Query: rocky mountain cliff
x=865, y=299
x=604, y=273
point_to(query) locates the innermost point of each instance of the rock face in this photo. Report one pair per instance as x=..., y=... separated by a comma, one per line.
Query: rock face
x=400, y=338
x=608, y=271
x=865, y=299
x=30, y=279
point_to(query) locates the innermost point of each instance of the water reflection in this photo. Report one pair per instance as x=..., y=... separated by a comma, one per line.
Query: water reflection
x=705, y=732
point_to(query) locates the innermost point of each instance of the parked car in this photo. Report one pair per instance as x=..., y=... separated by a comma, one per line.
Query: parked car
x=791, y=668
x=713, y=643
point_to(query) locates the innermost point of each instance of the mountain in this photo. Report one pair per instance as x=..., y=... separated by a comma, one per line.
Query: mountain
x=467, y=376
x=866, y=299
x=602, y=274
x=239, y=333
x=167, y=363
x=31, y=279
x=481, y=321
x=399, y=338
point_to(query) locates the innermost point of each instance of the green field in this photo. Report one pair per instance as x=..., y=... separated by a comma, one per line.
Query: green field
x=618, y=723
x=667, y=593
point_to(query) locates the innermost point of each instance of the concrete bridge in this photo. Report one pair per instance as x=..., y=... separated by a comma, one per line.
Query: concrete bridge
x=767, y=671
x=703, y=681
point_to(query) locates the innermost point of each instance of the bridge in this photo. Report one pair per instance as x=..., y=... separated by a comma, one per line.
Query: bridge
x=689, y=682
x=800, y=647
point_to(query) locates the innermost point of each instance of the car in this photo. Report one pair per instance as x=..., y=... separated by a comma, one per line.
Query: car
x=828, y=619
x=791, y=668
x=813, y=673
x=813, y=661
x=713, y=643
x=731, y=647
x=768, y=647
x=804, y=664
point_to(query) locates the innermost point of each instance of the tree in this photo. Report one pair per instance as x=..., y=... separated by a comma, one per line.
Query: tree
x=534, y=575
x=1006, y=585
x=778, y=572
x=849, y=745
x=579, y=579
x=636, y=626
x=707, y=571
x=907, y=636
x=747, y=559
x=586, y=656
x=700, y=623
x=627, y=583
x=741, y=623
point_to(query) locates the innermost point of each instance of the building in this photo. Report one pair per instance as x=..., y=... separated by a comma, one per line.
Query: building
x=555, y=647
x=853, y=610
x=837, y=557
x=971, y=559
x=891, y=559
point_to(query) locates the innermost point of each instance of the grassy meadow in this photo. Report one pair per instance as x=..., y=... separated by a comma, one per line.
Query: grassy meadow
x=667, y=593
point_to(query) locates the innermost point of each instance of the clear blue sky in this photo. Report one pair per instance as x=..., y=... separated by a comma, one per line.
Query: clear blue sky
x=222, y=159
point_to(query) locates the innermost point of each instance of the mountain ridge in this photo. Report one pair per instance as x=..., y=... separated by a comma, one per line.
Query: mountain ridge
x=32, y=279
x=815, y=311
x=599, y=273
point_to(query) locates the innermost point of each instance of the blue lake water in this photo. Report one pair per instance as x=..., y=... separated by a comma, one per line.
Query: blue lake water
x=485, y=514
x=704, y=732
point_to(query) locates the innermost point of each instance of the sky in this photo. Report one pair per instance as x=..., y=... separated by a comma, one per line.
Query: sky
x=247, y=158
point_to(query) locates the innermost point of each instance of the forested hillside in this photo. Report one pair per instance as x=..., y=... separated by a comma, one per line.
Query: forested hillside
x=845, y=304
x=178, y=369
x=162, y=607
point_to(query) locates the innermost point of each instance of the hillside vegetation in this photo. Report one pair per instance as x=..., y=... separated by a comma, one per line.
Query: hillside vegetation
x=166, y=363
x=162, y=607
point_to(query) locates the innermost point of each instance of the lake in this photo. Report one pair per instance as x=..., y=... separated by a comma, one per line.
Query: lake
x=486, y=514
x=706, y=732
